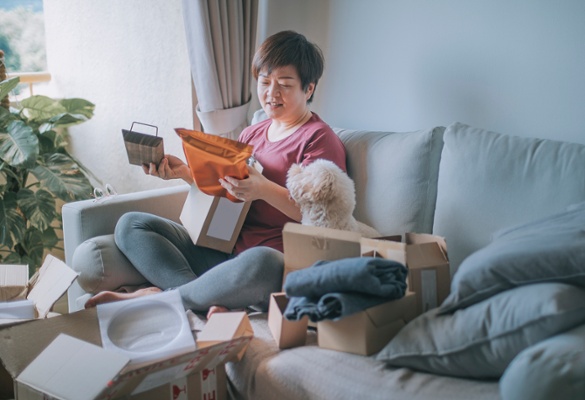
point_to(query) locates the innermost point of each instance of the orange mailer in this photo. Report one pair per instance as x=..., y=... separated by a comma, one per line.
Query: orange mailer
x=211, y=157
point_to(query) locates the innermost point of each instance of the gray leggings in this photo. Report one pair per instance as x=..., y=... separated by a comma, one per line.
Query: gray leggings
x=163, y=252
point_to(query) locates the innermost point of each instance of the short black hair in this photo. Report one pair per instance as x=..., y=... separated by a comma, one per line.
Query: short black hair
x=290, y=48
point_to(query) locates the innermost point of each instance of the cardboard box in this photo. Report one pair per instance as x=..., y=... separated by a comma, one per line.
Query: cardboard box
x=286, y=333
x=91, y=372
x=304, y=245
x=222, y=327
x=368, y=331
x=13, y=282
x=46, y=286
x=426, y=257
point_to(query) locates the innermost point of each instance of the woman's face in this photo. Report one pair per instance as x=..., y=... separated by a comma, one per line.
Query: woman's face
x=281, y=95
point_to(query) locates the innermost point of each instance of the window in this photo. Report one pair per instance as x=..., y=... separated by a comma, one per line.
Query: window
x=22, y=38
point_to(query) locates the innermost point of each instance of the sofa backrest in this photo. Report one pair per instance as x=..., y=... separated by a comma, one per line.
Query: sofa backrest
x=489, y=181
x=395, y=176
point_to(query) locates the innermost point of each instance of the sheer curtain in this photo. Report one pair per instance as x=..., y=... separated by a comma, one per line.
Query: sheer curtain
x=221, y=37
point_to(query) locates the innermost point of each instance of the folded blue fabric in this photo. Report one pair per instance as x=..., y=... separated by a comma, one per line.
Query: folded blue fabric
x=334, y=289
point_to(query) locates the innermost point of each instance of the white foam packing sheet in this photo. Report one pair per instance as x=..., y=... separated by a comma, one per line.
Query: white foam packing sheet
x=20, y=309
x=146, y=329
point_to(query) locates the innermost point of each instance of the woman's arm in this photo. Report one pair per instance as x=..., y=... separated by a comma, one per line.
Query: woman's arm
x=258, y=187
x=170, y=167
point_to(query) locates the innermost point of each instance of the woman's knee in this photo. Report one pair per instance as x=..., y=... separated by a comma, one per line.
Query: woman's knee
x=128, y=224
x=263, y=261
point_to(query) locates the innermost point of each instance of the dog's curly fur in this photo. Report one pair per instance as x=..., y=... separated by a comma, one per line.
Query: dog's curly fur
x=326, y=196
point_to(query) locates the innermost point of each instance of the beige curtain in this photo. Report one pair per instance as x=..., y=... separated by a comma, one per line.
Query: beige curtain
x=221, y=36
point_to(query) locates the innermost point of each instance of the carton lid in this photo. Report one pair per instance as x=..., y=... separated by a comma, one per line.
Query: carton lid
x=304, y=245
x=420, y=238
x=50, y=283
x=425, y=255
x=387, y=249
x=222, y=327
x=70, y=368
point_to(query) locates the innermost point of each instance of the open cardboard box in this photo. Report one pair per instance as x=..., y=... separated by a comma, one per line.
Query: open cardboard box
x=286, y=333
x=44, y=289
x=424, y=255
x=62, y=357
x=214, y=221
x=368, y=331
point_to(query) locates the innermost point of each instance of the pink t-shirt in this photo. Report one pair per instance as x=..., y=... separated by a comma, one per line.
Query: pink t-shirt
x=314, y=140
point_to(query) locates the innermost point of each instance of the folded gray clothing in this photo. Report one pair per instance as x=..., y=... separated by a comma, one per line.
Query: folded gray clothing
x=334, y=289
x=370, y=275
x=330, y=306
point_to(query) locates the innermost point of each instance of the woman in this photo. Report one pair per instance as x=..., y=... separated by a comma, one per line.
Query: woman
x=287, y=68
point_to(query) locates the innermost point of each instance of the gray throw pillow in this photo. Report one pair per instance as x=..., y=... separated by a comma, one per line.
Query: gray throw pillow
x=551, y=369
x=480, y=341
x=551, y=249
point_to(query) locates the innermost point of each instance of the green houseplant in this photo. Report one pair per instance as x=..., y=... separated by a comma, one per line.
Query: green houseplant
x=36, y=171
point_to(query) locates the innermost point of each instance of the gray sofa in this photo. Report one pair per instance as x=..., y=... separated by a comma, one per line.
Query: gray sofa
x=464, y=183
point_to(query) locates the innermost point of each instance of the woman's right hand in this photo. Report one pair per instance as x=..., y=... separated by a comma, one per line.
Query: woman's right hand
x=170, y=167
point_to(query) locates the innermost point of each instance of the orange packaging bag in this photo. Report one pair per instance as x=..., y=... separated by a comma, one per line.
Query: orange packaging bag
x=211, y=157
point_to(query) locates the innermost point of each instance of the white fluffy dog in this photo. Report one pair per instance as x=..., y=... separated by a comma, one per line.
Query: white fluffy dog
x=326, y=196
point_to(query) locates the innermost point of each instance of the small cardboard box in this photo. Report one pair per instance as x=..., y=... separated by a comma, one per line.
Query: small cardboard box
x=212, y=221
x=286, y=333
x=426, y=257
x=46, y=286
x=30, y=350
x=222, y=327
x=368, y=331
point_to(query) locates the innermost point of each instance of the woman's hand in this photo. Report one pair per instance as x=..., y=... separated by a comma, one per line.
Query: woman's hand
x=251, y=188
x=170, y=167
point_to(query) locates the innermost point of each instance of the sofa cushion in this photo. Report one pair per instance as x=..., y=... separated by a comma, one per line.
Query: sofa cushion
x=480, y=341
x=102, y=266
x=551, y=369
x=488, y=181
x=395, y=177
x=548, y=249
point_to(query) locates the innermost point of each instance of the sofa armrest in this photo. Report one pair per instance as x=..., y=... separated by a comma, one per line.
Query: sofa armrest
x=85, y=219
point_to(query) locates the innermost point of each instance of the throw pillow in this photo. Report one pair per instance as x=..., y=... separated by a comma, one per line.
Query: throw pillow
x=480, y=341
x=551, y=369
x=551, y=249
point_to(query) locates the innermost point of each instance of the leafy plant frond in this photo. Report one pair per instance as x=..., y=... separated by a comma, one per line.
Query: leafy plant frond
x=12, y=223
x=19, y=147
x=62, y=176
x=38, y=207
x=7, y=86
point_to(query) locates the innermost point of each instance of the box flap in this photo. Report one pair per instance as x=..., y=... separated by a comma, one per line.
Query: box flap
x=70, y=368
x=191, y=216
x=13, y=282
x=390, y=250
x=222, y=327
x=425, y=255
x=50, y=283
x=419, y=238
x=304, y=245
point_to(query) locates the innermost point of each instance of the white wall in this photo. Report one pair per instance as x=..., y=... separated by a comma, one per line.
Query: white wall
x=513, y=66
x=129, y=59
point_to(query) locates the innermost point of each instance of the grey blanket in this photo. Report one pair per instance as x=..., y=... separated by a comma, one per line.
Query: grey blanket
x=334, y=289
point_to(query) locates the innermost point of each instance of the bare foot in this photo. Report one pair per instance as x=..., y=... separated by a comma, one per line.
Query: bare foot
x=216, y=309
x=108, y=297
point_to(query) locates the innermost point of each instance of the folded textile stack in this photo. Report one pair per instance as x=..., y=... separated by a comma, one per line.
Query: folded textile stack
x=334, y=289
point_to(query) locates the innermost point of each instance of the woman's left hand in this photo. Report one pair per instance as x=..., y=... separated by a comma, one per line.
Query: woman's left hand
x=248, y=189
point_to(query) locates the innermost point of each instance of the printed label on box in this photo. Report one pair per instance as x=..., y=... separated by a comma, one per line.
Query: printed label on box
x=209, y=384
x=179, y=389
x=429, y=289
x=225, y=219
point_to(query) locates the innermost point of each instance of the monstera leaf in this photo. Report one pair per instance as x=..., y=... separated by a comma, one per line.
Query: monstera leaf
x=38, y=207
x=12, y=224
x=7, y=85
x=19, y=146
x=62, y=176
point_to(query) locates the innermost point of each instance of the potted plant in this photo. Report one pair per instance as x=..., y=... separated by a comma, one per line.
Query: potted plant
x=36, y=171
